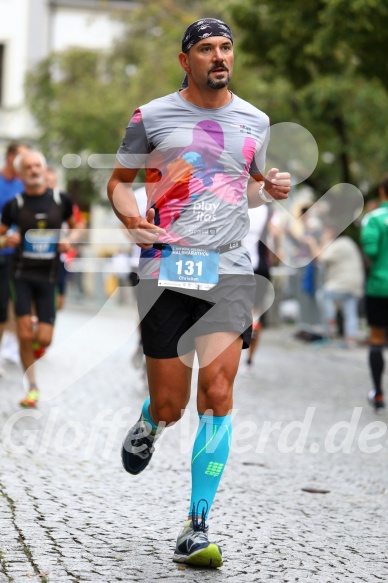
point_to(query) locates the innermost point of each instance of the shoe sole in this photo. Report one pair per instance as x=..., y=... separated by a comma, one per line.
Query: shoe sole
x=126, y=455
x=209, y=557
x=127, y=465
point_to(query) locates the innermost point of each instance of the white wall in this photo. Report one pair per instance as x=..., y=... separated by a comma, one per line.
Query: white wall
x=82, y=28
x=30, y=30
x=13, y=34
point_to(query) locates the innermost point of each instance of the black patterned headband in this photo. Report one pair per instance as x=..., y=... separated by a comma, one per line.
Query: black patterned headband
x=201, y=29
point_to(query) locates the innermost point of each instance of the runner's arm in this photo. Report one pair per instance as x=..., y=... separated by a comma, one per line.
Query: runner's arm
x=141, y=229
x=11, y=240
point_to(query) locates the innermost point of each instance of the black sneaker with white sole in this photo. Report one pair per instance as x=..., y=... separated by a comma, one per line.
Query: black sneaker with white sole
x=138, y=447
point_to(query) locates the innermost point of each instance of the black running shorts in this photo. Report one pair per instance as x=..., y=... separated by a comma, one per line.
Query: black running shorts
x=40, y=294
x=376, y=308
x=172, y=318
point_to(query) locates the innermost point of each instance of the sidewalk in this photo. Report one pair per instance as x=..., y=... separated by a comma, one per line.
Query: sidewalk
x=304, y=496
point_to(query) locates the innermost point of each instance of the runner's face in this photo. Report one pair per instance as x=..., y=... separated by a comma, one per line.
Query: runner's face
x=33, y=172
x=211, y=62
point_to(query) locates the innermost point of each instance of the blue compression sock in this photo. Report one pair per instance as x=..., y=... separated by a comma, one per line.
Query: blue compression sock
x=146, y=415
x=210, y=454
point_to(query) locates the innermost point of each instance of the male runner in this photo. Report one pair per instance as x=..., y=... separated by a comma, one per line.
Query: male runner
x=374, y=241
x=201, y=147
x=36, y=257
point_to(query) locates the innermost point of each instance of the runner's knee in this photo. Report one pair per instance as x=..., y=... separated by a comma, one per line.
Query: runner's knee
x=44, y=340
x=25, y=335
x=168, y=411
x=218, y=395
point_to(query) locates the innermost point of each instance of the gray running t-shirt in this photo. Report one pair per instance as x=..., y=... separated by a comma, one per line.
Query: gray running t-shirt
x=198, y=163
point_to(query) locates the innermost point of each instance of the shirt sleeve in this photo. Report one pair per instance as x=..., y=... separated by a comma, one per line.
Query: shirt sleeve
x=258, y=163
x=135, y=147
x=370, y=237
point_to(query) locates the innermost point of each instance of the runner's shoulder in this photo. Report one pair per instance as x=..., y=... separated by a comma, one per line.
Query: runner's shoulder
x=159, y=104
x=245, y=108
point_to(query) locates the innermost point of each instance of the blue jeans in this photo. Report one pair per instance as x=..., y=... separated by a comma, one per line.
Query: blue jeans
x=348, y=304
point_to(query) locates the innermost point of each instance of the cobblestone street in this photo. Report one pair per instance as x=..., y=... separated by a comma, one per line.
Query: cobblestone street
x=303, y=498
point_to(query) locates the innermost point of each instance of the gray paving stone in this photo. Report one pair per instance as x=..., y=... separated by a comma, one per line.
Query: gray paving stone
x=82, y=518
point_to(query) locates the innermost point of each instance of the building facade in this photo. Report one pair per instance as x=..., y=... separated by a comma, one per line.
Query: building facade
x=32, y=29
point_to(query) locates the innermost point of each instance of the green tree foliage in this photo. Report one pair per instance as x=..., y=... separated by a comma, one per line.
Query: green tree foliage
x=322, y=63
x=74, y=99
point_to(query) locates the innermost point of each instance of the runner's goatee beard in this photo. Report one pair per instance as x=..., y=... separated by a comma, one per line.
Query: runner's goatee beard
x=218, y=84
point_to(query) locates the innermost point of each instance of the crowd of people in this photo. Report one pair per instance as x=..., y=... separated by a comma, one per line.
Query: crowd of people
x=352, y=282
x=200, y=265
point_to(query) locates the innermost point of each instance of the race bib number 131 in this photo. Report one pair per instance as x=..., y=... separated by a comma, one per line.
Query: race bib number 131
x=188, y=267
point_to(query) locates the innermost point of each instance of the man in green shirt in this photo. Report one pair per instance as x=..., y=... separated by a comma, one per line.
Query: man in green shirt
x=374, y=241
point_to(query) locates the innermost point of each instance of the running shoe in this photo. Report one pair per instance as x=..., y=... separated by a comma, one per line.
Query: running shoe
x=31, y=400
x=193, y=546
x=377, y=401
x=138, y=447
x=38, y=350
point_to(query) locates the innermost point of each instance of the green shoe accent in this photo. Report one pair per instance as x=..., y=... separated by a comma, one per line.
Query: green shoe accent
x=210, y=557
x=31, y=399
